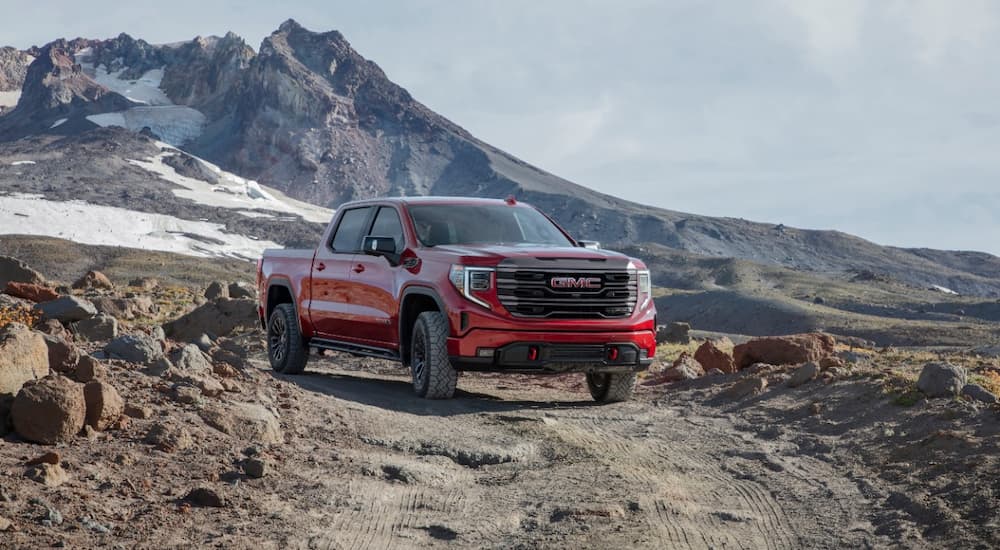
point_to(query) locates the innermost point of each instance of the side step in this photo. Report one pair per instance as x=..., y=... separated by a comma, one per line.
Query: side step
x=354, y=349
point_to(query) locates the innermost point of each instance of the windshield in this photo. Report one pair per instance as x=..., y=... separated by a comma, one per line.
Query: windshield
x=438, y=224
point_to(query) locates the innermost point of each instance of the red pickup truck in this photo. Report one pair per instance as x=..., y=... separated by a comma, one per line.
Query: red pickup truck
x=458, y=284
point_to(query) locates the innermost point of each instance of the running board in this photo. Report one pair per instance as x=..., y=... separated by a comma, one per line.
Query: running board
x=356, y=349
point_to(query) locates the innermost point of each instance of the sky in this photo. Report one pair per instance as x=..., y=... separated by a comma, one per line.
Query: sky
x=878, y=118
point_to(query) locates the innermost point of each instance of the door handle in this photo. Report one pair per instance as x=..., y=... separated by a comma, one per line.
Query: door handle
x=359, y=268
x=320, y=266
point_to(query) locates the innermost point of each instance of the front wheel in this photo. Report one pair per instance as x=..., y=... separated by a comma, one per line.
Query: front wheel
x=285, y=348
x=433, y=375
x=611, y=388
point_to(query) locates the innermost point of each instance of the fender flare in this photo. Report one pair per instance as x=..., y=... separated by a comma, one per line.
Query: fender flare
x=418, y=290
x=287, y=285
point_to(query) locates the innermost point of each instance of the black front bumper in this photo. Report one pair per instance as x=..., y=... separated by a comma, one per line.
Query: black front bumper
x=546, y=358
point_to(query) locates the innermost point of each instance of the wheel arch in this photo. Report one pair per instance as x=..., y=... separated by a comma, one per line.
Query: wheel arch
x=279, y=291
x=414, y=301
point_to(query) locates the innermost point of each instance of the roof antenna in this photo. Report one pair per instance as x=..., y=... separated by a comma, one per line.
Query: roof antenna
x=510, y=200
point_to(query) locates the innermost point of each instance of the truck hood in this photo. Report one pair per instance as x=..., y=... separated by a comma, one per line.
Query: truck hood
x=525, y=255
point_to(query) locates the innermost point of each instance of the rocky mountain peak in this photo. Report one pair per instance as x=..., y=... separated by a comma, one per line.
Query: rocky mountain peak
x=13, y=68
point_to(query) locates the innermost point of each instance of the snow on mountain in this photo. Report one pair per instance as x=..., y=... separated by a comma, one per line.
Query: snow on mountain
x=9, y=99
x=247, y=197
x=86, y=223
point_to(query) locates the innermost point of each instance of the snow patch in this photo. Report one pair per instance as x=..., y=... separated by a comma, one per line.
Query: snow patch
x=58, y=123
x=86, y=223
x=233, y=192
x=175, y=124
x=22, y=162
x=9, y=99
x=145, y=91
x=943, y=289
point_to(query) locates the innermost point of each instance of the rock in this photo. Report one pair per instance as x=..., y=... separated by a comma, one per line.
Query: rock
x=979, y=393
x=255, y=467
x=67, y=309
x=684, y=368
x=746, y=387
x=168, y=438
x=50, y=457
x=97, y=328
x=203, y=342
x=941, y=380
x=12, y=269
x=208, y=386
x=143, y=306
x=221, y=355
x=53, y=328
x=819, y=300
x=246, y=421
x=714, y=372
x=674, y=333
x=93, y=280
x=48, y=411
x=203, y=496
x=185, y=393
x=225, y=370
x=118, y=308
x=63, y=356
x=714, y=354
x=141, y=412
x=135, y=348
x=5, y=524
x=104, y=404
x=191, y=360
x=144, y=283
x=784, y=350
x=159, y=367
x=803, y=374
x=24, y=356
x=31, y=292
x=987, y=351
x=854, y=357
x=50, y=475
x=88, y=369
x=216, y=290
x=6, y=400
x=216, y=318
x=158, y=334
x=831, y=363
x=242, y=290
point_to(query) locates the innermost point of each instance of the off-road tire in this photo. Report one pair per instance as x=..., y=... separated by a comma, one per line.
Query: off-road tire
x=433, y=375
x=285, y=348
x=611, y=388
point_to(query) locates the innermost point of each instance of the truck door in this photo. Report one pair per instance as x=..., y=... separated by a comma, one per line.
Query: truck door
x=330, y=306
x=373, y=286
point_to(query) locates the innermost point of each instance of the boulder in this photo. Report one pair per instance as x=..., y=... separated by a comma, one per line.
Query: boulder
x=255, y=467
x=12, y=269
x=203, y=342
x=24, y=356
x=104, y=404
x=141, y=412
x=714, y=354
x=242, y=290
x=49, y=475
x=191, y=360
x=684, y=368
x=247, y=421
x=784, y=350
x=67, y=309
x=169, y=438
x=941, y=380
x=144, y=283
x=216, y=318
x=53, y=328
x=135, y=348
x=208, y=386
x=979, y=393
x=831, y=362
x=674, y=333
x=803, y=374
x=746, y=387
x=216, y=290
x=97, y=328
x=93, y=280
x=63, y=355
x=89, y=368
x=50, y=410
x=204, y=496
x=31, y=292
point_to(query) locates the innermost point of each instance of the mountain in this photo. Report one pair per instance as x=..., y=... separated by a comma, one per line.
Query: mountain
x=187, y=130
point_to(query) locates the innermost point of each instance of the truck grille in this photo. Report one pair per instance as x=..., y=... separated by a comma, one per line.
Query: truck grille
x=564, y=294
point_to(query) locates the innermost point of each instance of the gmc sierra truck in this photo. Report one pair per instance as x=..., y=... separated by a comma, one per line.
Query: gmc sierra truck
x=444, y=285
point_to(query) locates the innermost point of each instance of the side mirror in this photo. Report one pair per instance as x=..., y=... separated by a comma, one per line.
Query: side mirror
x=381, y=246
x=589, y=244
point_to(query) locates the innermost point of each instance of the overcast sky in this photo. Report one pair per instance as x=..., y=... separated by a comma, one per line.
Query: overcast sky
x=879, y=118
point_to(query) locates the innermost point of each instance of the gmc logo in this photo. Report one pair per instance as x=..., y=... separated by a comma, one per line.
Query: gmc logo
x=575, y=282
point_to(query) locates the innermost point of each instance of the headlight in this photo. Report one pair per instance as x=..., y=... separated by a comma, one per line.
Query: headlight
x=470, y=281
x=645, y=287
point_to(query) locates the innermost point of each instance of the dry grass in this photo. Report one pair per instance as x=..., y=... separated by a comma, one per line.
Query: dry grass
x=19, y=314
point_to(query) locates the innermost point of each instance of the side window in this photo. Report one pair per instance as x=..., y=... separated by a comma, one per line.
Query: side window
x=347, y=237
x=387, y=224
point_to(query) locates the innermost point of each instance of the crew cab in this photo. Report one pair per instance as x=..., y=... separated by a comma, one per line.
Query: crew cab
x=444, y=285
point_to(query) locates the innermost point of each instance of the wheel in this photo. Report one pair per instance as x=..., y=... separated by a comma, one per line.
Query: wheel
x=285, y=348
x=433, y=375
x=611, y=388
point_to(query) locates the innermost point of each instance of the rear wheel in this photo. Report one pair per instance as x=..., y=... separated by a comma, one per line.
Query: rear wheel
x=611, y=387
x=433, y=375
x=285, y=349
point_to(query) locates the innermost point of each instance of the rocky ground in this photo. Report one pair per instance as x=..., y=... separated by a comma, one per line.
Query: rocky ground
x=144, y=415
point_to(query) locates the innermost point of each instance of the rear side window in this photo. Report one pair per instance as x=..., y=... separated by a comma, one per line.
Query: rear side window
x=387, y=224
x=350, y=229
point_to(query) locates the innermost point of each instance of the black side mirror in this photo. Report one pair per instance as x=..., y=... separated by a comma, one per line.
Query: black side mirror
x=381, y=246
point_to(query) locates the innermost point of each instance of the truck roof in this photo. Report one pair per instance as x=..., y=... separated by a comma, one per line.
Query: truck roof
x=425, y=200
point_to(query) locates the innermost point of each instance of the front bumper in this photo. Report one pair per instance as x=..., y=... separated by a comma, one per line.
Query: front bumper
x=552, y=352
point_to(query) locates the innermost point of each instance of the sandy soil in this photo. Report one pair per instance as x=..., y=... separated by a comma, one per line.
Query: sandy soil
x=521, y=462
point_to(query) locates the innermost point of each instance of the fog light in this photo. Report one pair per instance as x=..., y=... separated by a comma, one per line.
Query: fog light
x=485, y=352
x=613, y=354
x=532, y=353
